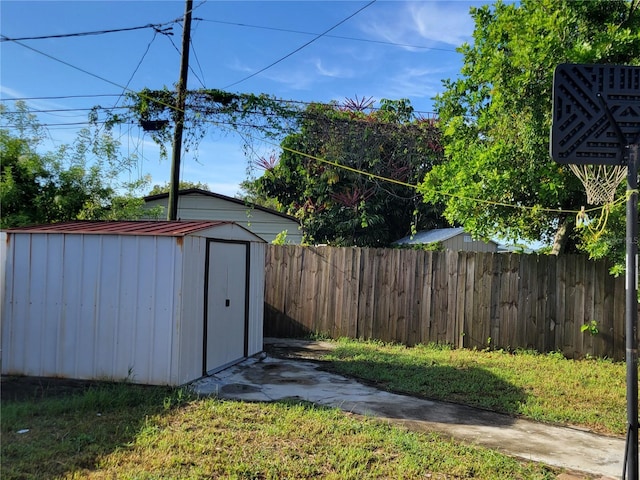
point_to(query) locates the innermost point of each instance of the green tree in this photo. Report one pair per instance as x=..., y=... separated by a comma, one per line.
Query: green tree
x=342, y=206
x=183, y=185
x=80, y=181
x=496, y=117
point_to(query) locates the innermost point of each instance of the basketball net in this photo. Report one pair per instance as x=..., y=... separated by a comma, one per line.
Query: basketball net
x=600, y=183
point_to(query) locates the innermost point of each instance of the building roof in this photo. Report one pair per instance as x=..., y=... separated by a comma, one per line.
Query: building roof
x=198, y=191
x=138, y=227
x=430, y=236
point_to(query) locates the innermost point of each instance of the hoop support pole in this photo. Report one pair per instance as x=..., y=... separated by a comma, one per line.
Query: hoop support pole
x=631, y=325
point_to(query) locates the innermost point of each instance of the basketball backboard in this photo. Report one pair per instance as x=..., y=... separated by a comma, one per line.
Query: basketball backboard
x=582, y=131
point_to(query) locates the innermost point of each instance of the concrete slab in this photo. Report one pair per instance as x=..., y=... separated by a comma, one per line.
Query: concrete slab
x=268, y=379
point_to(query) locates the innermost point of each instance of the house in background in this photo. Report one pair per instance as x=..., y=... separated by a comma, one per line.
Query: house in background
x=197, y=204
x=450, y=239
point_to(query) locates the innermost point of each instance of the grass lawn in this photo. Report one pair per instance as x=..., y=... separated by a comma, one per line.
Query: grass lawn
x=549, y=388
x=133, y=432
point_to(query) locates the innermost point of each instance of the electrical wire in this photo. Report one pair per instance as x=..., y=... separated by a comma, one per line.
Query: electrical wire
x=189, y=66
x=301, y=47
x=319, y=159
x=86, y=72
x=158, y=27
x=409, y=185
x=68, y=109
x=60, y=97
x=126, y=87
x=294, y=102
x=381, y=42
x=195, y=55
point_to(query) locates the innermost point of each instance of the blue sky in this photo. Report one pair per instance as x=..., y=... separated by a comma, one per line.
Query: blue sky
x=394, y=50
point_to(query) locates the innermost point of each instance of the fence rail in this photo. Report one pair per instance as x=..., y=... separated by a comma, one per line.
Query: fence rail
x=466, y=299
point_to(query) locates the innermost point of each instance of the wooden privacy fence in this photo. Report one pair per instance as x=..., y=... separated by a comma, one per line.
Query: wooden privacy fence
x=465, y=299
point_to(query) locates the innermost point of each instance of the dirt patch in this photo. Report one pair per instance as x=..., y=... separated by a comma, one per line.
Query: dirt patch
x=297, y=348
x=20, y=388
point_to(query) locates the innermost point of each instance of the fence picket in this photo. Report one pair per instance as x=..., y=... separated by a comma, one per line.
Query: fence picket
x=461, y=298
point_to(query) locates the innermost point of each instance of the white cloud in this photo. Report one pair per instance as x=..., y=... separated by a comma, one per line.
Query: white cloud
x=424, y=23
x=333, y=72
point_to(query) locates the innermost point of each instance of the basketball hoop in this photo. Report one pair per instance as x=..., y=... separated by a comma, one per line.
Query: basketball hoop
x=600, y=181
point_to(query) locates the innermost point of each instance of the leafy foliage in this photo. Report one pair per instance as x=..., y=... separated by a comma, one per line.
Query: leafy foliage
x=246, y=113
x=496, y=117
x=319, y=176
x=183, y=185
x=78, y=181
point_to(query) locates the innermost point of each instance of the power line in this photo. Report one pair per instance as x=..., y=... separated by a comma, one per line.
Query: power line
x=301, y=47
x=60, y=97
x=158, y=27
x=291, y=101
x=126, y=87
x=68, y=64
x=189, y=66
x=195, y=55
x=367, y=40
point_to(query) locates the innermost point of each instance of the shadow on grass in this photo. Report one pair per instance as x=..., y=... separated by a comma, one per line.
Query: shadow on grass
x=404, y=389
x=54, y=427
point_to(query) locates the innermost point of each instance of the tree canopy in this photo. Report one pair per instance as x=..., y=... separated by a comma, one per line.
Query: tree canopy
x=333, y=174
x=183, y=185
x=499, y=178
x=79, y=181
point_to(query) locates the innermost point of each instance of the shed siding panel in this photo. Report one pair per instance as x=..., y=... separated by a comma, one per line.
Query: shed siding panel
x=88, y=288
x=73, y=305
x=263, y=224
x=68, y=357
x=458, y=244
x=256, y=297
x=4, y=239
x=113, y=306
x=168, y=288
x=190, y=333
x=15, y=280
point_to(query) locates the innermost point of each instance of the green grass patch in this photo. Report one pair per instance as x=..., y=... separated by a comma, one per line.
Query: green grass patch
x=545, y=387
x=132, y=432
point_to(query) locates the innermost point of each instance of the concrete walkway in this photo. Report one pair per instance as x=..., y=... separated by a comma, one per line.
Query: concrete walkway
x=290, y=374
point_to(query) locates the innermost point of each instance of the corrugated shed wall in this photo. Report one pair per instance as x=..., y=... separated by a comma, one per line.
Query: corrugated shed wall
x=70, y=308
x=464, y=242
x=256, y=297
x=191, y=332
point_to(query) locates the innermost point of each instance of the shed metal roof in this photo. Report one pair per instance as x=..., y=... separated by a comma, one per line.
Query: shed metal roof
x=138, y=227
x=430, y=236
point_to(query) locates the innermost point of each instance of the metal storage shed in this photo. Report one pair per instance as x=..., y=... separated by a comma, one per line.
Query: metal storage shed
x=151, y=302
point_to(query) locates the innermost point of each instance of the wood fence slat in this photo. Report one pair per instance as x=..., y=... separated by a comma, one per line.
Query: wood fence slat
x=550, y=305
x=468, y=312
x=538, y=300
x=448, y=329
x=439, y=299
x=426, y=318
x=368, y=285
x=496, y=271
x=526, y=293
x=414, y=298
x=561, y=302
x=579, y=318
x=381, y=310
x=461, y=285
x=599, y=299
x=482, y=287
x=461, y=298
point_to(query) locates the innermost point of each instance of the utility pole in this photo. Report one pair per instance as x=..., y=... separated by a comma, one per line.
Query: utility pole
x=172, y=213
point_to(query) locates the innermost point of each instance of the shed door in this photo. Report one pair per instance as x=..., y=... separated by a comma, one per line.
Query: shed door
x=226, y=312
